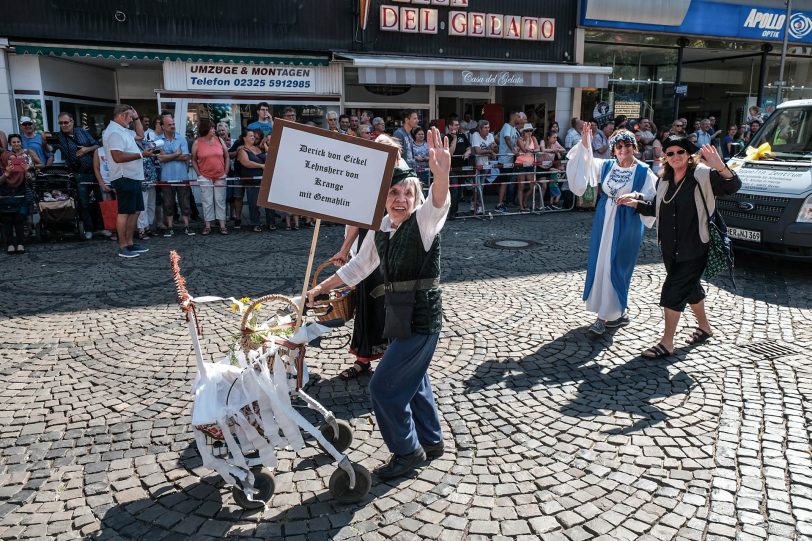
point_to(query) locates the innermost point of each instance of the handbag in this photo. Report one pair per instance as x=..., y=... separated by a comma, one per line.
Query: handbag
x=589, y=195
x=720, y=247
x=399, y=305
x=109, y=212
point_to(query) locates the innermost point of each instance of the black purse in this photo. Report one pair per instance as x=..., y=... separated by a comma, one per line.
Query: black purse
x=399, y=305
x=720, y=247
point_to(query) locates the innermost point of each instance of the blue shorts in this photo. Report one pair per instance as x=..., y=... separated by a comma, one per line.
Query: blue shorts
x=128, y=194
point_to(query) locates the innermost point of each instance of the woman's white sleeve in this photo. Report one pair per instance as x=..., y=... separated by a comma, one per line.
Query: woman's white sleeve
x=361, y=265
x=649, y=192
x=583, y=169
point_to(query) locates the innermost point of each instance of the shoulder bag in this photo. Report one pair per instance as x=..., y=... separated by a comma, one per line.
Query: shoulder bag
x=720, y=247
x=399, y=305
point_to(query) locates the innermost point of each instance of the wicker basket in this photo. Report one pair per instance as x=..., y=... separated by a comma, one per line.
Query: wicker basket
x=295, y=352
x=245, y=325
x=339, y=305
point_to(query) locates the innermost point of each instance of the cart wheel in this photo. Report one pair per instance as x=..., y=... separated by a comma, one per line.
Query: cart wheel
x=344, y=439
x=340, y=485
x=265, y=486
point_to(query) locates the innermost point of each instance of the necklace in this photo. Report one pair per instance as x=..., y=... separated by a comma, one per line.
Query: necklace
x=673, y=195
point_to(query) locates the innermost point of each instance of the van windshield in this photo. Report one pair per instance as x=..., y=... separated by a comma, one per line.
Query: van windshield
x=789, y=133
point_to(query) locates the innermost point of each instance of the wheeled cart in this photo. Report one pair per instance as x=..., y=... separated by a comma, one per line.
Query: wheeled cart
x=242, y=411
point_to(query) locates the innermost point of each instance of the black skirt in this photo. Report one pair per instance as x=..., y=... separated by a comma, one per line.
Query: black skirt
x=682, y=283
x=367, y=342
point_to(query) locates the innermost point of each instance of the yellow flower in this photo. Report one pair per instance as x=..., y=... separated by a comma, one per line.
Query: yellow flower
x=258, y=307
x=235, y=308
x=246, y=300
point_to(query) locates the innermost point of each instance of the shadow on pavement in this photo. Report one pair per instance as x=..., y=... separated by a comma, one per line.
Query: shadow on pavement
x=769, y=279
x=630, y=388
x=204, y=509
x=196, y=504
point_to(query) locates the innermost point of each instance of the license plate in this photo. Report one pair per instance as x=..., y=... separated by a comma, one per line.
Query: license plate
x=744, y=234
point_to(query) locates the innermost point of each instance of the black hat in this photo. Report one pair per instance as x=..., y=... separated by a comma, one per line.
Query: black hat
x=682, y=142
x=402, y=173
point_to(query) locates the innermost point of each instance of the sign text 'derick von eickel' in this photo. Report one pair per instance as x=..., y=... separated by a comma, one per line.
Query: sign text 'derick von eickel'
x=314, y=172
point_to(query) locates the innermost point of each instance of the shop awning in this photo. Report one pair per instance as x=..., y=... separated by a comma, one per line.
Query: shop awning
x=120, y=53
x=377, y=70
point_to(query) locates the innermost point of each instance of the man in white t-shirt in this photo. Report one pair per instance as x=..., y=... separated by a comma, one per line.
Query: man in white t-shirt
x=126, y=174
x=508, y=138
x=484, y=148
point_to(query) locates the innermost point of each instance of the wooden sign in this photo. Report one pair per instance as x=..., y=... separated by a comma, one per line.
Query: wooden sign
x=323, y=174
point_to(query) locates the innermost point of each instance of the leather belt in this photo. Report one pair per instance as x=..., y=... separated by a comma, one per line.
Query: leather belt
x=405, y=286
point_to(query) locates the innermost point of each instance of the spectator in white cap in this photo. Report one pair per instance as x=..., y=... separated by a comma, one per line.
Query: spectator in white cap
x=34, y=140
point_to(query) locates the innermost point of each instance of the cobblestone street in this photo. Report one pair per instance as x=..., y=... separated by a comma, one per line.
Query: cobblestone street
x=549, y=434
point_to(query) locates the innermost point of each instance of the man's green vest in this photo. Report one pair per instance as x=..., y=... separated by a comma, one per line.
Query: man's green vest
x=404, y=261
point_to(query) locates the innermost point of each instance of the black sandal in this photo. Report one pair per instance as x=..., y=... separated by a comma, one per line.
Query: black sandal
x=657, y=352
x=353, y=372
x=698, y=336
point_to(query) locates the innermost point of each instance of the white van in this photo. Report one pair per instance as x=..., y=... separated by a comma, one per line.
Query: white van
x=772, y=213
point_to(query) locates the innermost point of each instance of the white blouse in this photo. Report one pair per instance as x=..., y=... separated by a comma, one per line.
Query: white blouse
x=430, y=220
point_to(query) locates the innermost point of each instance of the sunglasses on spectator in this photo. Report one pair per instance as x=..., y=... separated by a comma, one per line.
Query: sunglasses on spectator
x=27, y=124
x=677, y=152
x=621, y=144
x=64, y=122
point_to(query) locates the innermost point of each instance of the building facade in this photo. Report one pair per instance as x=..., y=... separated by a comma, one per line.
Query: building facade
x=695, y=58
x=217, y=60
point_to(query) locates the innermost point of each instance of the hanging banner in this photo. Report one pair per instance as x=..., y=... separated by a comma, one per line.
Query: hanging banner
x=318, y=173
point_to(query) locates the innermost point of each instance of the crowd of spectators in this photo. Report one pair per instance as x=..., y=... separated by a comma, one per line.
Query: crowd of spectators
x=207, y=177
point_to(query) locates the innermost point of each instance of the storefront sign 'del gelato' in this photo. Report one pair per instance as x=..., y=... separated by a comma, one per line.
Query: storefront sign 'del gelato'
x=420, y=20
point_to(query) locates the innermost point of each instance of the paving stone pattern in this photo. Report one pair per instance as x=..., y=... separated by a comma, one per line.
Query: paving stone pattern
x=551, y=435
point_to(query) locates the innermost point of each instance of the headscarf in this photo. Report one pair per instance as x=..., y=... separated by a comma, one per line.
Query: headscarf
x=622, y=135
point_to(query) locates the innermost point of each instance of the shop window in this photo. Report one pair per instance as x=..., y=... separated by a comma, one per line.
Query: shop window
x=391, y=116
x=93, y=118
x=31, y=108
x=238, y=115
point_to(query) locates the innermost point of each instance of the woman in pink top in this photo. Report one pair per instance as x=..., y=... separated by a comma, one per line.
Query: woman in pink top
x=209, y=160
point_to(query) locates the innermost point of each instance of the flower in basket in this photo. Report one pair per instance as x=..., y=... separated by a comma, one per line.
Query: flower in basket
x=240, y=306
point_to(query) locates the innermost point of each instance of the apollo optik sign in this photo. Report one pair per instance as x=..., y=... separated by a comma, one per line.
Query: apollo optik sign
x=770, y=24
x=716, y=19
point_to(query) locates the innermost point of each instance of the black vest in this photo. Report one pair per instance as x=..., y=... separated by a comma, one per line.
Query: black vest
x=404, y=261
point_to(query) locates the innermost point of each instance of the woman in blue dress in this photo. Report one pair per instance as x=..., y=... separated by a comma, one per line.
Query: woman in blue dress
x=617, y=231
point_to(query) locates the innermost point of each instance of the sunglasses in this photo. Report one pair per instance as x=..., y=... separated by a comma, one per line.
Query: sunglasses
x=677, y=152
x=620, y=145
x=27, y=124
x=64, y=122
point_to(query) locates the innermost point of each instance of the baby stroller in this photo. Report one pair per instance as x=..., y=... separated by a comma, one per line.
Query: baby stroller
x=56, y=198
x=242, y=410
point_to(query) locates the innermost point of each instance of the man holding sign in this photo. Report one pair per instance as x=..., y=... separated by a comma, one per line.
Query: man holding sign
x=407, y=248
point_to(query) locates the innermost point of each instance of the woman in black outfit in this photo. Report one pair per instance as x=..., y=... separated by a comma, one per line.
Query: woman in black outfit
x=682, y=230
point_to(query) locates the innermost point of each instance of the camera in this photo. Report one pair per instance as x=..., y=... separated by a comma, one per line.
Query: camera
x=154, y=146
